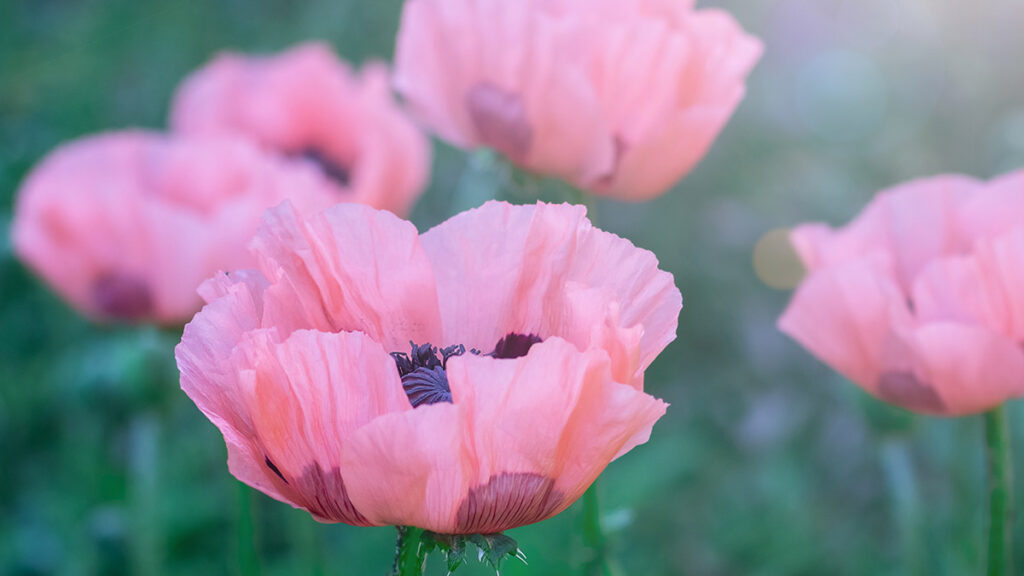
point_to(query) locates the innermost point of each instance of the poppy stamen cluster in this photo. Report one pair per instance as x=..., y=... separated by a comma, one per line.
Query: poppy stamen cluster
x=424, y=373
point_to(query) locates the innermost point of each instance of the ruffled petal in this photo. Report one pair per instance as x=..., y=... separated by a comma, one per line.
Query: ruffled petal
x=545, y=270
x=845, y=314
x=207, y=377
x=308, y=106
x=350, y=268
x=409, y=468
x=996, y=209
x=539, y=429
x=954, y=370
x=306, y=396
x=696, y=69
x=485, y=74
x=914, y=223
x=982, y=288
x=522, y=440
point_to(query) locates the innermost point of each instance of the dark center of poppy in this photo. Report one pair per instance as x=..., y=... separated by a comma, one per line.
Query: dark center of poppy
x=423, y=370
x=333, y=170
x=122, y=296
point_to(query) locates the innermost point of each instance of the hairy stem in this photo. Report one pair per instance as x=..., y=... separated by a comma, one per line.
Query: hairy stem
x=594, y=539
x=408, y=558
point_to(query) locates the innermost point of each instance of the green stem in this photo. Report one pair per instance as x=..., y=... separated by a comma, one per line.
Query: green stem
x=900, y=478
x=409, y=558
x=594, y=539
x=248, y=560
x=1000, y=475
x=146, y=536
x=309, y=557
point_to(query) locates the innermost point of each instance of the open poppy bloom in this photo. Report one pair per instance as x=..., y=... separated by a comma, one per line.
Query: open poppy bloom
x=126, y=225
x=920, y=300
x=470, y=380
x=307, y=105
x=619, y=97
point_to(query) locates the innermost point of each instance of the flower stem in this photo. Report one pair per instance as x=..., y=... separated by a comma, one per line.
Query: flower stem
x=409, y=559
x=1000, y=480
x=594, y=539
x=248, y=560
x=146, y=535
x=900, y=478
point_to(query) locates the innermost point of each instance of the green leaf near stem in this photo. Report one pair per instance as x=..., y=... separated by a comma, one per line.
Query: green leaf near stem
x=415, y=545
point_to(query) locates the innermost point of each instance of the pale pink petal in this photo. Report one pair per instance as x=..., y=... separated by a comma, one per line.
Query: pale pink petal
x=307, y=105
x=956, y=370
x=307, y=396
x=349, y=268
x=409, y=468
x=995, y=209
x=539, y=429
x=126, y=225
x=522, y=441
x=545, y=270
x=700, y=77
x=621, y=98
x=208, y=341
x=913, y=223
x=981, y=288
x=845, y=315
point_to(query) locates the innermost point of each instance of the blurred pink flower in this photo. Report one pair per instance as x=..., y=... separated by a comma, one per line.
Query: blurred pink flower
x=306, y=104
x=473, y=379
x=619, y=97
x=127, y=225
x=920, y=300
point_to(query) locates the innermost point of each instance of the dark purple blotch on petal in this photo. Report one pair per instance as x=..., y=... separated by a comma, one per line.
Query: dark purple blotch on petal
x=122, y=296
x=500, y=119
x=904, y=389
x=323, y=494
x=506, y=501
x=514, y=345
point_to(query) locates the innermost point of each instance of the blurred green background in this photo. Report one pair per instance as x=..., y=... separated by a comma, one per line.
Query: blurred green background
x=767, y=462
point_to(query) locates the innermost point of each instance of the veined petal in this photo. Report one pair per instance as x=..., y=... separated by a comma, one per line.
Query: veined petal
x=545, y=270
x=350, y=268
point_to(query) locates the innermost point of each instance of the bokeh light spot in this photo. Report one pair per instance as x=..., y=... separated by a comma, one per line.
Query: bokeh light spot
x=776, y=262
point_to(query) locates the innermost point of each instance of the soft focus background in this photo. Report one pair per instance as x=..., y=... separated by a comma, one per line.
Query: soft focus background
x=767, y=462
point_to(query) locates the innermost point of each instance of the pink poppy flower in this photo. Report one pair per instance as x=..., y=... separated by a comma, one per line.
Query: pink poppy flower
x=920, y=300
x=127, y=225
x=470, y=380
x=308, y=105
x=619, y=97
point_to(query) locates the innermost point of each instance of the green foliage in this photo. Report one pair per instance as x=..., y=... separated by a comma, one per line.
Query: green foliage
x=767, y=463
x=492, y=549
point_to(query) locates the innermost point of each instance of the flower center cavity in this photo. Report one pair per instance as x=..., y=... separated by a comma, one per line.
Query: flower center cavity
x=331, y=169
x=423, y=370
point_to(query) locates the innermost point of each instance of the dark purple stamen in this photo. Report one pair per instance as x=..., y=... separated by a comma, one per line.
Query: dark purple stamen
x=423, y=373
x=331, y=169
x=423, y=369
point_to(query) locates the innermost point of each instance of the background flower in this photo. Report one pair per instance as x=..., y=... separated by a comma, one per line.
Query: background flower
x=619, y=97
x=307, y=105
x=126, y=225
x=918, y=300
x=544, y=324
